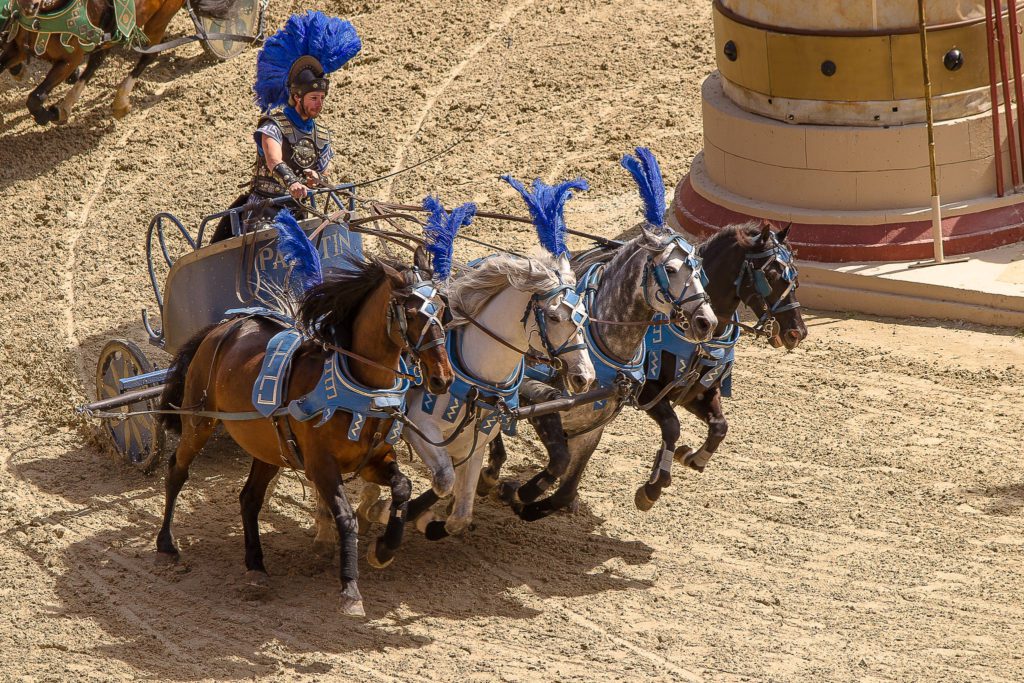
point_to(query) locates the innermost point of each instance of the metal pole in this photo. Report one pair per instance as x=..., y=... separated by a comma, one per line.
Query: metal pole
x=936, y=204
x=994, y=96
x=1011, y=136
x=1017, y=86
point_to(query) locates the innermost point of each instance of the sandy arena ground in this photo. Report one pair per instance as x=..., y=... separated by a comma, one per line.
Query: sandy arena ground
x=864, y=519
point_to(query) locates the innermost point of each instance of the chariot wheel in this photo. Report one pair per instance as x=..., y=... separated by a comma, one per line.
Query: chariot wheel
x=138, y=439
x=245, y=19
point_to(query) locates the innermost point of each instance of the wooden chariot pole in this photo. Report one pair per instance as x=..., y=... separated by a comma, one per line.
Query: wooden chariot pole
x=936, y=202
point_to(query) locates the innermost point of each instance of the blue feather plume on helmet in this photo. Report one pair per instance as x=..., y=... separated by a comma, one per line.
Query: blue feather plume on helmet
x=547, y=209
x=330, y=40
x=645, y=170
x=297, y=251
x=440, y=231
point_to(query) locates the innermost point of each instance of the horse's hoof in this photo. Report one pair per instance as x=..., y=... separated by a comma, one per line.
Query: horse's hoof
x=641, y=500
x=120, y=112
x=424, y=520
x=323, y=549
x=18, y=72
x=574, y=506
x=696, y=460
x=486, y=483
x=436, y=530
x=371, y=556
x=682, y=453
x=352, y=608
x=352, y=601
x=507, y=490
x=63, y=115
x=45, y=116
x=256, y=585
x=166, y=559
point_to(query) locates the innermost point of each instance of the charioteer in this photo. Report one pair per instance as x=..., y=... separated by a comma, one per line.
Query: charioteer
x=293, y=150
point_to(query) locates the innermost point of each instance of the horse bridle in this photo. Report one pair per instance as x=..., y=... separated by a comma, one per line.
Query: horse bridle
x=431, y=308
x=761, y=288
x=577, y=315
x=663, y=294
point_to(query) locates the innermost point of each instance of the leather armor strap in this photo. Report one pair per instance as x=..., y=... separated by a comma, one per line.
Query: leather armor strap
x=286, y=174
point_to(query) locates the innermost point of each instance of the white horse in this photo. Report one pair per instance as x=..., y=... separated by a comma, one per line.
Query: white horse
x=504, y=308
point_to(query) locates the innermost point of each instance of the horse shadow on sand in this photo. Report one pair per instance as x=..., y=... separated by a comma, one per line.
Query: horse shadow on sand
x=38, y=149
x=197, y=619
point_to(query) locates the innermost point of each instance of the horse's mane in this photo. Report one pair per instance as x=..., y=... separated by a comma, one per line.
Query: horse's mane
x=329, y=309
x=606, y=254
x=742, y=234
x=470, y=292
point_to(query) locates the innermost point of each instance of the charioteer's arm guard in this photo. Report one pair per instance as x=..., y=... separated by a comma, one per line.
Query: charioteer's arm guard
x=286, y=175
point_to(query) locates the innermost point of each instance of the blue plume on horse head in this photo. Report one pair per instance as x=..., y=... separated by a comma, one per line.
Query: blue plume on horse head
x=440, y=231
x=297, y=251
x=547, y=209
x=330, y=40
x=645, y=170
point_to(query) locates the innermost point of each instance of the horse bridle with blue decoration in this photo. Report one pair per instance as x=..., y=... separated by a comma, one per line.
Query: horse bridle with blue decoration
x=426, y=291
x=662, y=280
x=761, y=288
x=578, y=315
x=663, y=294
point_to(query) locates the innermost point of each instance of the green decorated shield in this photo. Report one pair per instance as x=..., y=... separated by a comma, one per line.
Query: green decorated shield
x=245, y=19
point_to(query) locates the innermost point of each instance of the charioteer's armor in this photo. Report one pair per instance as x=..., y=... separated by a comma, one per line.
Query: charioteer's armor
x=301, y=151
x=305, y=144
x=293, y=151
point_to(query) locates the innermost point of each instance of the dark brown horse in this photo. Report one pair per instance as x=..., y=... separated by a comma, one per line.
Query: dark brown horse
x=151, y=17
x=359, y=310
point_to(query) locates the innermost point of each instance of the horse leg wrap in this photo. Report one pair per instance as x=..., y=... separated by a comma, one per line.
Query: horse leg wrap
x=662, y=468
x=395, y=528
x=435, y=530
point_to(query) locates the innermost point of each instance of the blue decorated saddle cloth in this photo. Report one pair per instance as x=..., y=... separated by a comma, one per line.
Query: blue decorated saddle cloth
x=713, y=358
x=606, y=369
x=491, y=400
x=336, y=390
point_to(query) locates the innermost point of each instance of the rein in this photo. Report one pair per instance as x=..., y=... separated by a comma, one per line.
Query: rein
x=498, y=338
x=363, y=359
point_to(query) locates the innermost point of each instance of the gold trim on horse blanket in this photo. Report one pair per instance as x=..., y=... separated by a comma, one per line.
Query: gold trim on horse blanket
x=72, y=21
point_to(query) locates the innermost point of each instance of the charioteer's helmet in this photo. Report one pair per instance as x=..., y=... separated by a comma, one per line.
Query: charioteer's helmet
x=297, y=59
x=306, y=76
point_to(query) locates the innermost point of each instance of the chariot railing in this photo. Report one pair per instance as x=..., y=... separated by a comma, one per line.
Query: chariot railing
x=340, y=197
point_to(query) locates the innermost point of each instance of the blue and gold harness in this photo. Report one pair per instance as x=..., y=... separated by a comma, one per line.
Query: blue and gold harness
x=336, y=391
x=493, y=401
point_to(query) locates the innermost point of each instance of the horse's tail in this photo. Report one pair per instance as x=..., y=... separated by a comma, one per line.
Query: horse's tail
x=174, y=386
x=215, y=9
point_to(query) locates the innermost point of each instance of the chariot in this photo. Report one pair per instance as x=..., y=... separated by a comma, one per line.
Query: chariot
x=200, y=287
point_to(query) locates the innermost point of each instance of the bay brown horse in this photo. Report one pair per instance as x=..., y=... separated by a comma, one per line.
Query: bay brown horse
x=151, y=17
x=355, y=310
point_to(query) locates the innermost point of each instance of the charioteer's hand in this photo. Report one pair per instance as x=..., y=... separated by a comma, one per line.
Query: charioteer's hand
x=297, y=190
x=312, y=178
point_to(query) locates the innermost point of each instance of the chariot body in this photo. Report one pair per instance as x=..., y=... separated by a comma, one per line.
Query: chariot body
x=199, y=290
